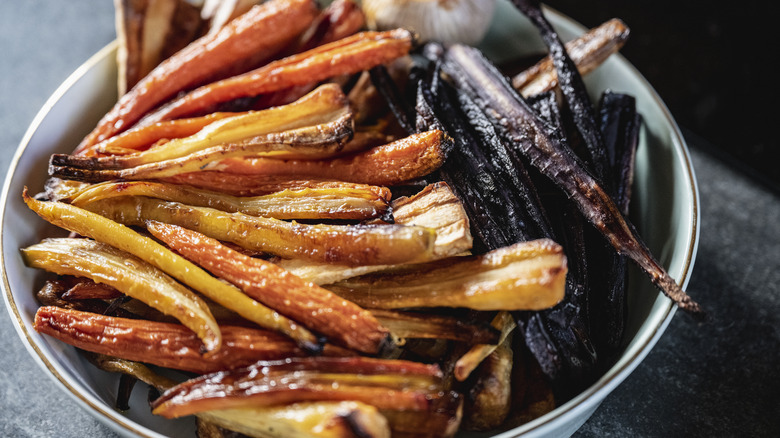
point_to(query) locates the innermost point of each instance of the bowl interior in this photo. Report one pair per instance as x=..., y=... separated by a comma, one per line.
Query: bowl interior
x=664, y=209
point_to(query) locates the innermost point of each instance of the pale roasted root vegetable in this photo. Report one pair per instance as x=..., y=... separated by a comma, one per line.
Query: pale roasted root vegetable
x=134, y=277
x=347, y=244
x=325, y=105
x=357, y=203
x=467, y=363
x=148, y=32
x=164, y=344
x=419, y=325
x=320, y=419
x=588, y=52
x=434, y=207
x=237, y=184
x=313, y=142
x=143, y=137
x=324, y=419
x=391, y=164
x=385, y=384
x=104, y=230
x=348, y=55
x=341, y=321
x=524, y=276
x=266, y=28
x=488, y=398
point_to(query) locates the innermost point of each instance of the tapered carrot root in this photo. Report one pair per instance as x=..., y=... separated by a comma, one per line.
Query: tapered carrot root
x=402, y=160
x=162, y=344
x=318, y=309
x=348, y=55
x=136, y=278
x=266, y=28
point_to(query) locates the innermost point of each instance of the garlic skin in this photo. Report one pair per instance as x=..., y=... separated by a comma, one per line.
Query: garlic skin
x=447, y=21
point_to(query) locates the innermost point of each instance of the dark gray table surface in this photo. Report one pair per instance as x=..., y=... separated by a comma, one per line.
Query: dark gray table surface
x=719, y=378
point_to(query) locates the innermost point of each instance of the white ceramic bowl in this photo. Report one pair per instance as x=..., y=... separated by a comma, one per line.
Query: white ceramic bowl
x=665, y=210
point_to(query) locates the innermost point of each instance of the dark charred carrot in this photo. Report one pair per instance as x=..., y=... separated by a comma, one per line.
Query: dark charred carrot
x=516, y=120
x=573, y=90
x=340, y=320
x=266, y=28
x=348, y=55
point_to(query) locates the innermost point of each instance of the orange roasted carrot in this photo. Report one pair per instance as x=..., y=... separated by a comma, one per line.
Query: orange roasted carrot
x=340, y=19
x=142, y=138
x=355, y=53
x=266, y=28
x=164, y=344
x=340, y=320
x=402, y=160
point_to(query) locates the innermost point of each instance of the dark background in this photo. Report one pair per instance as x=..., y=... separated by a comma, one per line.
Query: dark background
x=714, y=65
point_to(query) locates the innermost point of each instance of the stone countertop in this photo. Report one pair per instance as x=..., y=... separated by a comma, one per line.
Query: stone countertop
x=719, y=378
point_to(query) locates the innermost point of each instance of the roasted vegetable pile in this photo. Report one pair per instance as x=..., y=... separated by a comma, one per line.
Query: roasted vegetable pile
x=325, y=230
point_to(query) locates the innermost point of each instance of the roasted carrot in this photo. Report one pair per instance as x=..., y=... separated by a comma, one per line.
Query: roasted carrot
x=142, y=138
x=342, y=321
x=402, y=160
x=134, y=277
x=348, y=55
x=588, y=52
x=340, y=19
x=104, y=230
x=163, y=344
x=265, y=28
x=386, y=384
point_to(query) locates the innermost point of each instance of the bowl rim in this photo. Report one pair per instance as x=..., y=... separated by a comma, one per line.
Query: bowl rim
x=614, y=375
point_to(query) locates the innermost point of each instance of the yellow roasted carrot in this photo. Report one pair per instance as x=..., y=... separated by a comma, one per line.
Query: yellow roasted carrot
x=104, y=230
x=130, y=275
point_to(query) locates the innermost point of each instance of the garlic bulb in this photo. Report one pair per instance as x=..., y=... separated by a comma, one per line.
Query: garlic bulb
x=449, y=21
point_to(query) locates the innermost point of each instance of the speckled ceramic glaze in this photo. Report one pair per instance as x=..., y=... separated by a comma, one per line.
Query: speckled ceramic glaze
x=665, y=209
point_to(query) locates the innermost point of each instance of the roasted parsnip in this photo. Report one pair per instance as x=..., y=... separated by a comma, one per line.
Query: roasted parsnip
x=505, y=323
x=433, y=207
x=524, y=276
x=346, y=244
x=418, y=325
x=237, y=184
x=488, y=398
x=358, y=202
x=588, y=52
x=315, y=126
